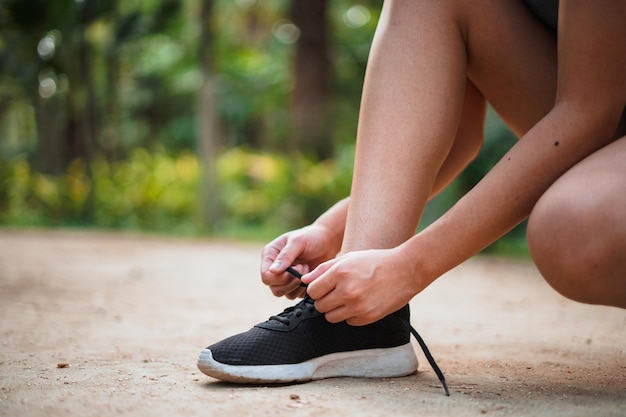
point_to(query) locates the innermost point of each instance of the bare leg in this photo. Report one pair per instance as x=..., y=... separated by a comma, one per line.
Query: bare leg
x=468, y=140
x=577, y=230
x=414, y=101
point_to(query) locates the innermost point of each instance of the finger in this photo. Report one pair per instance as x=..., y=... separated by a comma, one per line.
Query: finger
x=322, y=288
x=338, y=315
x=296, y=287
x=359, y=321
x=344, y=313
x=297, y=293
x=321, y=281
x=271, y=251
x=276, y=280
x=303, y=269
x=300, y=290
x=293, y=286
x=286, y=284
x=286, y=257
x=320, y=270
x=330, y=301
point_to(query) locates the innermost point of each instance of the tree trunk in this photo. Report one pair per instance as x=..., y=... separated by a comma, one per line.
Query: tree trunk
x=209, y=139
x=50, y=156
x=111, y=131
x=311, y=96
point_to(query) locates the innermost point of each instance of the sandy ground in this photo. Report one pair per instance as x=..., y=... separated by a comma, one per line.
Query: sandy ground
x=95, y=324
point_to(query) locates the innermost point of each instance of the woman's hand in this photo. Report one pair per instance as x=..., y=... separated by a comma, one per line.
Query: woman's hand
x=305, y=249
x=363, y=287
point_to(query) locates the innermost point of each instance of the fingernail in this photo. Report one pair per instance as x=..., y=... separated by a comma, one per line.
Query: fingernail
x=275, y=266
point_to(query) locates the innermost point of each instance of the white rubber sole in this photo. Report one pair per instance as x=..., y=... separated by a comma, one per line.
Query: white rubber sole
x=371, y=363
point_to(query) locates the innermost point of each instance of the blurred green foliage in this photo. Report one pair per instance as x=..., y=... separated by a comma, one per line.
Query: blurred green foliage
x=261, y=193
x=99, y=116
x=148, y=190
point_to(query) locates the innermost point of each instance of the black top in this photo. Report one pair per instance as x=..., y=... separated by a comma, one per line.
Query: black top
x=545, y=10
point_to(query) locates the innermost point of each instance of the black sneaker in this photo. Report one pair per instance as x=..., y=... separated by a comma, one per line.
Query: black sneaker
x=300, y=345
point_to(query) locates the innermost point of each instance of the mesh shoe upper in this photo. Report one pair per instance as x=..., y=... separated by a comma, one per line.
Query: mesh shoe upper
x=301, y=333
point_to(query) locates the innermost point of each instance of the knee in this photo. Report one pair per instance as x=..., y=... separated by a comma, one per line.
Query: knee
x=565, y=241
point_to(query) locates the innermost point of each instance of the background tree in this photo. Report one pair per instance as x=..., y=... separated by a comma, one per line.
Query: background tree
x=185, y=116
x=312, y=71
x=210, y=141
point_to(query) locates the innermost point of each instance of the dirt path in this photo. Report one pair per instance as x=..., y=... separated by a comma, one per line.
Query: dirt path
x=128, y=315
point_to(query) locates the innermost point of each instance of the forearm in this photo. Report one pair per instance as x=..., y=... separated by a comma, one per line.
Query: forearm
x=507, y=194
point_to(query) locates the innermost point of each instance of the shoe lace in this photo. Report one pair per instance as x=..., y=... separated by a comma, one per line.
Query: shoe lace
x=309, y=304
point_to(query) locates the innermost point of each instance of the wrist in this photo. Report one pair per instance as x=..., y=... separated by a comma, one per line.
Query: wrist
x=333, y=222
x=416, y=261
x=333, y=236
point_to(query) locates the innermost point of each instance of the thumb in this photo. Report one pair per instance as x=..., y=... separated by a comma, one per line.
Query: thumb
x=286, y=256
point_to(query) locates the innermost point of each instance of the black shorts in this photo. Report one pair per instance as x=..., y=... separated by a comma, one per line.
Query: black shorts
x=545, y=10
